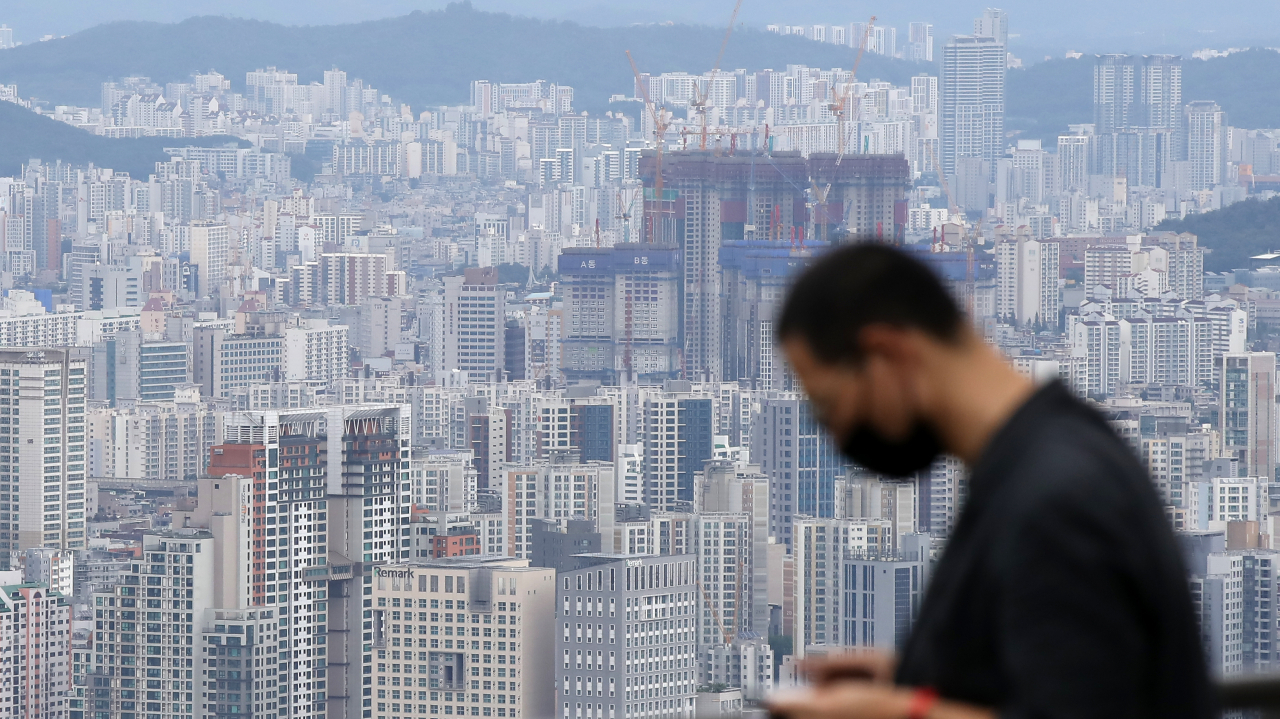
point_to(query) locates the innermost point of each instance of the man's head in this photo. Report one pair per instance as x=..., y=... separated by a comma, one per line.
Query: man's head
x=869, y=331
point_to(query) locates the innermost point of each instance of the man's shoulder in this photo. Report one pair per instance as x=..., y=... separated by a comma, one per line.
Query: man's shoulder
x=1073, y=455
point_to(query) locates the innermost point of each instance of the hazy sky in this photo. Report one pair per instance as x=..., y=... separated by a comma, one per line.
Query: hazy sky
x=1041, y=26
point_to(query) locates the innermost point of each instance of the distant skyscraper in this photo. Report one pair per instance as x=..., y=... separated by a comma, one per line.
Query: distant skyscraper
x=1074, y=160
x=1206, y=132
x=920, y=37
x=972, y=90
x=6, y=37
x=1137, y=115
x=994, y=23
x=1131, y=91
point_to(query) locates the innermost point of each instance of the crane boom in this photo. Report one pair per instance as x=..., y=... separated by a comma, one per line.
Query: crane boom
x=840, y=105
x=700, y=98
x=660, y=131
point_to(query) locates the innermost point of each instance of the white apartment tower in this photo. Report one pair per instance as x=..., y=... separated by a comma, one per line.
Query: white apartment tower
x=1027, y=281
x=210, y=246
x=42, y=452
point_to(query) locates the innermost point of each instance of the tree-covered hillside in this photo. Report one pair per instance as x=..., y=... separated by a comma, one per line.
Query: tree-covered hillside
x=1041, y=100
x=1235, y=233
x=25, y=135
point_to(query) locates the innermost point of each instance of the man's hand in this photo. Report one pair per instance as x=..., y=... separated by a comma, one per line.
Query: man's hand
x=870, y=666
x=843, y=700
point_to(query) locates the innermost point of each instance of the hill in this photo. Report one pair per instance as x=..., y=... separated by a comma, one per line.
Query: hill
x=1234, y=233
x=28, y=135
x=422, y=58
x=1041, y=100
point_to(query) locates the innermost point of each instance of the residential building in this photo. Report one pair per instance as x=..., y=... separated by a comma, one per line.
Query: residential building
x=475, y=314
x=971, y=89
x=35, y=634
x=626, y=637
x=42, y=462
x=799, y=459
x=461, y=636
x=1248, y=413
x=678, y=427
x=210, y=246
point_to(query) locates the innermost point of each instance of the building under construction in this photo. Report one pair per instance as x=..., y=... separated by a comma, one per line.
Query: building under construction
x=704, y=199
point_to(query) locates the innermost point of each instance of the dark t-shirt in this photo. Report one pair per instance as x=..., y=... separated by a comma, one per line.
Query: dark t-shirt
x=1062, y=592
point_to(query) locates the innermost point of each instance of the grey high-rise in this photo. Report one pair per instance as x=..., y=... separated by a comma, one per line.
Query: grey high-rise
x=971, y=87
x=1137, y=115
x=626, y=637
x=1132, y=92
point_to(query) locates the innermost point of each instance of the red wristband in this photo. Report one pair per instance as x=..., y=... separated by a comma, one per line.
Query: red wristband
x=922, y=700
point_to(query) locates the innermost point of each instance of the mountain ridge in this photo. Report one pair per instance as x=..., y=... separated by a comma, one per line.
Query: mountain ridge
x=424, y=58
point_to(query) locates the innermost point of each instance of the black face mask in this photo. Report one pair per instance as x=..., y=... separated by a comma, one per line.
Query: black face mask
x=894, y=459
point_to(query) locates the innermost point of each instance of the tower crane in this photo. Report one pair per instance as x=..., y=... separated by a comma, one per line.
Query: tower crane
x=660, y=124
x=699, y=103
x=840, y=106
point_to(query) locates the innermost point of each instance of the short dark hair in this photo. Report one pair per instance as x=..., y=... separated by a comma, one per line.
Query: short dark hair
x=863, y=284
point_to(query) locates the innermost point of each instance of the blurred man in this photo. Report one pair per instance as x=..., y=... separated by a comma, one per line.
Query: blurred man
x=1061, y=592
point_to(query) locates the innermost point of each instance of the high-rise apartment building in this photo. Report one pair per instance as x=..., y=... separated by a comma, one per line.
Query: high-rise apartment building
x=709, y=199
x=464, y=636
x=475, y=314
x=316, y=350
x=42, y=462
x=210, y=247
x=920, y=42
x=678, y=429
x=817, y=548
x=161, y=440
x=36, y=637
x=626, y=638
x=559, y=488
x=621, y=311
x=1027, y=273
x=738, y=497
x=971, y=86
x=270, y=91
x=328, y=501
x=1137, y=92
x=1248, y=412
x=799, y=459
x=994, y=24
x=1207, y=146
x=1138, y=116
x=128, y=366
x=147, y=629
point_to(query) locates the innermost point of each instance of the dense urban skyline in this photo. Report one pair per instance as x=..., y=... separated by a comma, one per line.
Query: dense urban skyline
x=356, y=408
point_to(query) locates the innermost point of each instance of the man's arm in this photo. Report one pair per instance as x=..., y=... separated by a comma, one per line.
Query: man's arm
x=866, y=700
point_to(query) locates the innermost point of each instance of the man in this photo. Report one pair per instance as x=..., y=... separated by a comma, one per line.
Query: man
x=1061, y=592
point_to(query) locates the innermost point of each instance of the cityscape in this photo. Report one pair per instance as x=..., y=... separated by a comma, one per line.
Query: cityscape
x=346, y=407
